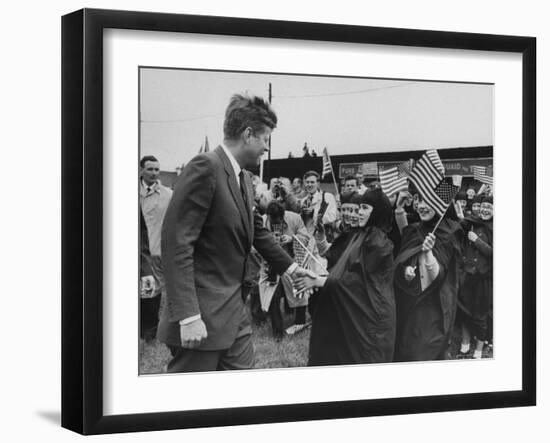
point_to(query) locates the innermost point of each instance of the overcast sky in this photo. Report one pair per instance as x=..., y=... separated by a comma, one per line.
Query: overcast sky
x=348, y=116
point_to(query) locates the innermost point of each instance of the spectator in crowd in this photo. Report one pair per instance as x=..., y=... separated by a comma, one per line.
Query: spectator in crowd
x=281, y=190
x=375, y=184
x=361, y=183
x=314, y=200
x=346, y=208
x=462, y=199
x=351, y=184
x=154, y=199
x=476, y=205
x=283, y=225
x=470, y=195
x=476, y=293
x=298, y=189
x=354, y=321
x=426, y=285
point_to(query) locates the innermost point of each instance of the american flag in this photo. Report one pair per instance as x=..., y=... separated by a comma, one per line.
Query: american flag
x=483, y=174
x=395, y=179
x=327, y=165
x=426, y=176
x=446, y=193
x=300, y=255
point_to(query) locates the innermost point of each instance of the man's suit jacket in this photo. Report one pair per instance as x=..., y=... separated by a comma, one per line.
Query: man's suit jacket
x=207, y=235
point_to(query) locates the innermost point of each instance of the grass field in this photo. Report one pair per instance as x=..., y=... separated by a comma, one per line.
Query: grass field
x=291, y=351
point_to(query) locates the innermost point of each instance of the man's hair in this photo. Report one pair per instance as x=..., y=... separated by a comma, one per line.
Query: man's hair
x=147, y=158
x=312, y=173
x=246, y=111
x=351, y=177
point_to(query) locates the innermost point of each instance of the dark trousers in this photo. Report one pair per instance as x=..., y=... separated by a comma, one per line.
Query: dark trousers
x=275, y=314
x=258, y=315
x=239, y=356
x=300, y=318
x=149, y=317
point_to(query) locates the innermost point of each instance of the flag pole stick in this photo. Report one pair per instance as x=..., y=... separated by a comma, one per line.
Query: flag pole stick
x=334, y=179
x=332, y=172
x=439, y=221
x=309, y=253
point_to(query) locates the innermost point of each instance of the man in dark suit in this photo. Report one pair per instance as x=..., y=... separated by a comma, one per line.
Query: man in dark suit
x=208, y=231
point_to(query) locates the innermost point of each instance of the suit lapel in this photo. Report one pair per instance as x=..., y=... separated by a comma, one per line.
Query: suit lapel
x=234, y=188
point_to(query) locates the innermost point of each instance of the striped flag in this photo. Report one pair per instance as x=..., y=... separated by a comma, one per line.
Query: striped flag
x=483, y=174
x=426, y=176
x=395, y=179
x=327, y=165
x=446, y=192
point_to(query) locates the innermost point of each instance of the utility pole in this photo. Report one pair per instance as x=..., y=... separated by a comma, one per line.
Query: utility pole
x=269, y=143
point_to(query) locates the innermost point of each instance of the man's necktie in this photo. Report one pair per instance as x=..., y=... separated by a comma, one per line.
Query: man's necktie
x=243, y=189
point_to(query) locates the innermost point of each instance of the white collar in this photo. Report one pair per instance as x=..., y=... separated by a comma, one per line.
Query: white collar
x=236, y=167
x=153, y=187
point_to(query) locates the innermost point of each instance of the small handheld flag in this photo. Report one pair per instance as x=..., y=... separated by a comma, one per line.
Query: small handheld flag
x=426, y=176
x=395, y=179
x=327, y=165
x=483, y=174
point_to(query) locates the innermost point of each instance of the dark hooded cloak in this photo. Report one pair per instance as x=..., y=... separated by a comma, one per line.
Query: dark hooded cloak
x=475, y=298
x=425, y=317
x=354, y=321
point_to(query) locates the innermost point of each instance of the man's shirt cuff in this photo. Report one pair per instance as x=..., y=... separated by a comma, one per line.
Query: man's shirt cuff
x=188, y=320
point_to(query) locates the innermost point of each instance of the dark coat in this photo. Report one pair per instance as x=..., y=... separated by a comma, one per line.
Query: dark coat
x=207, y=235
x=425, y=317
x=475, y=298
x=354, y=321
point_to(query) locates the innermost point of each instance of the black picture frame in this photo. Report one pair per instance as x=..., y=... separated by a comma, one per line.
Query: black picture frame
x=82, y=218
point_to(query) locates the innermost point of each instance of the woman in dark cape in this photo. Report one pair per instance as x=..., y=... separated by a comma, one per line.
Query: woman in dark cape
x=347, y=229
x=476, y=293
x=355, y=318
x=426, y=286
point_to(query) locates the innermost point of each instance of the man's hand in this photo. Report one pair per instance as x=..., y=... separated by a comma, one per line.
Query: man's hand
x=429, y=242
x=192, y=334
x=147, y=287
x=309, y=281
x=472, y=236
x=300, y=272
x=410, y=273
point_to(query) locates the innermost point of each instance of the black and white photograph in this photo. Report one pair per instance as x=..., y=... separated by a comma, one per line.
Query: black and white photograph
x=289, y=221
